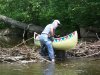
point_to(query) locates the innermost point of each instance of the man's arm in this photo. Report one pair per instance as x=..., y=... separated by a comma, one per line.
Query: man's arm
x=52, y=31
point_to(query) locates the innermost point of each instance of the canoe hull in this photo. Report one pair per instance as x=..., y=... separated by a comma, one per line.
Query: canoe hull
x=63, y=43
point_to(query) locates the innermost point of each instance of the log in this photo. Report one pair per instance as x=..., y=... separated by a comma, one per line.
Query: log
x=19, y=24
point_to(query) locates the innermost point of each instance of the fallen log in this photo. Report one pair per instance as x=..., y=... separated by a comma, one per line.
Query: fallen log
x=19, y=24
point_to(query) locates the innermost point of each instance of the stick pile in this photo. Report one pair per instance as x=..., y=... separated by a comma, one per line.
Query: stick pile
x=87, y=49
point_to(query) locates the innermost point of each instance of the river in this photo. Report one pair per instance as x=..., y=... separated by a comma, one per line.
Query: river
x=71, y=66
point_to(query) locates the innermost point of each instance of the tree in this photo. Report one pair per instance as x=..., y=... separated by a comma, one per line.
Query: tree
x=71, y=13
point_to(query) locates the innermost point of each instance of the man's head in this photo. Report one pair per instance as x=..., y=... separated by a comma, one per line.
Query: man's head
x=56, y=23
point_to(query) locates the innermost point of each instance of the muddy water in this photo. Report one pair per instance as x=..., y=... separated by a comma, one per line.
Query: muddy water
x=88, y=66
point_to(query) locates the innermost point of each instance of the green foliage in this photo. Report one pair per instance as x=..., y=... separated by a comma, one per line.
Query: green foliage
x=85, y=12
x=41, y=12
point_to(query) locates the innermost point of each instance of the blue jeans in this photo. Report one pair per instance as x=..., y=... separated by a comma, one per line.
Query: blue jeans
x=44, y=40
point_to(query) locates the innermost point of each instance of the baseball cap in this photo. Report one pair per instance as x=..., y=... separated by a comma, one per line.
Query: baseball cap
x=57, y=21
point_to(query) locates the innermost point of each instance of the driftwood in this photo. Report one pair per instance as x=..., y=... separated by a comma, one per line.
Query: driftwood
x=87, y=49
x=24, y=54
x=19, y=24
x=21, y=53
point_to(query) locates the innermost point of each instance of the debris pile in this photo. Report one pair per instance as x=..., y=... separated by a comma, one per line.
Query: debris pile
x=25, y=54
x=87, y=49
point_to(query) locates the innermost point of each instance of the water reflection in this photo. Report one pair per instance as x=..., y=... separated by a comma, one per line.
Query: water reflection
x=49, y=69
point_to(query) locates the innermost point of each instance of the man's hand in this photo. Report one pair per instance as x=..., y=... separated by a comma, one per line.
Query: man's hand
x=56, y=36
x=51, y=38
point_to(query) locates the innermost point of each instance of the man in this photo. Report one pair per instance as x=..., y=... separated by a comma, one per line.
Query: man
x=49, y=31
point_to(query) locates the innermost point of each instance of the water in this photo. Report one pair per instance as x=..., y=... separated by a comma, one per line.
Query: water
x=88, y=66
x=69, y=67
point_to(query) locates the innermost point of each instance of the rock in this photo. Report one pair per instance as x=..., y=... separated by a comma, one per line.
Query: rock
x=84, y=33
x=89, y=32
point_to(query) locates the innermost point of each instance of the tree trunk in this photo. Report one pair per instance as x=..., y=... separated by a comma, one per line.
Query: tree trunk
x=10, y=21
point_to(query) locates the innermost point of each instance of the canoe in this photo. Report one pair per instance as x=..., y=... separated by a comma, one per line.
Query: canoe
x=62, y=43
